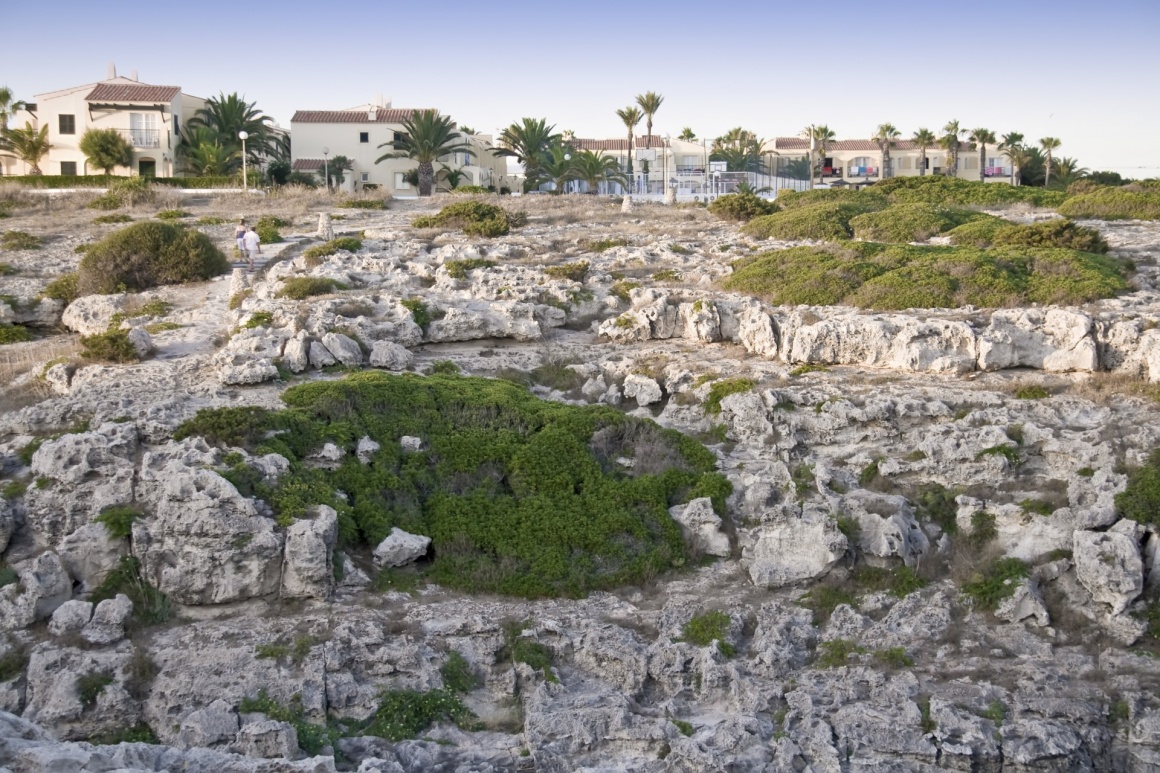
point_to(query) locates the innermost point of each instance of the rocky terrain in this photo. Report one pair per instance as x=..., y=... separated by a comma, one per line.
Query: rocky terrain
x=855, y=609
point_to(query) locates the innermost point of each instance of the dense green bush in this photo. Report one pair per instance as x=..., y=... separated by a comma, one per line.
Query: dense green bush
x=790, y=199
x=348, y=243
x=1140, y=500
x=520, y=496
x=1051, y=233
x=19, y=240
x=475, y=218
x=267, y=229
x=457, y=674
x=979, y=232
x=703, y=630
x=997, y=582
x=167, y=214
x=14, y=334
x=879, y=276
x=111, y=346
x=299, y=287
x=457, y=269
x=741, y=207
x=63, y=288
x=959, y=192
x=909, y=222
x=1114, y=204
x=148, y=254
x=363, y=204
x=826, y=221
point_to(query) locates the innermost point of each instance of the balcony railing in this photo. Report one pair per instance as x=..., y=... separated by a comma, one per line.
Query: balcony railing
x=997, y=171
x=142, y=138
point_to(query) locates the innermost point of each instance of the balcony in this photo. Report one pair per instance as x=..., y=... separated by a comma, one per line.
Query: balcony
x=690, y=170
x=142, y=138
x=997, y=171
x=863, y=171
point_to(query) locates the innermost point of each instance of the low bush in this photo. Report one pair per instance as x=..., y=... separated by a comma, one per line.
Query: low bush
x=1114, y=204
x=983, y=530
x=475, y=218
x=600, y=245
x=996, y=582
x=742, y=207
x=979, y=232
x=790, y=199
x=1031, y=392
x=168, y=214
x=458, y=269
x=118, y=520
x=686, y=728
x=312, y=738
x=14, y=334
x=112, y=346
x=960, y=192
x=824, y=599
x=557, y=375
x=704, y=629
x=348, y=243
x=419, y=311
x=148, y=254
x=8, y=576
x=211, y=220
x=623, y=288
x=878, y=276
x=936, y=504
x=362, y=204
x=827, y=221
x=63, y=288
x=722, y=389
x=267, y=229
x=139, y=733
x=443, y=368
x=520, y=496
x=403, y=714
x=19, y=240
x=909, y=222
x=300, y=287
x=457, y=674
x=1051, y=233
x=90, y=686
x=470, y=189
x=150, y=606
x=836, y=653
x=573, y=271
x=1140, y=499
x=111, y=219
x=900, y=582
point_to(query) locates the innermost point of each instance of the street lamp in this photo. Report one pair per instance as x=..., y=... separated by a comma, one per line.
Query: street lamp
x=326, y=167
x=243, y=136
x=567, y=157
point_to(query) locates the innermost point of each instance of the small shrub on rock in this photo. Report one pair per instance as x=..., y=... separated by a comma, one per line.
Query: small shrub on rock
x=348, y=243
x=703, y=630
x=457, y=269
x=742, y=207
x=997, y=582
x=457, y=674
x=573, y=271
x=300, y=287
x=19, y=240
x=148, y=254
x=404, y=714
x=118, y=520
x=419, y=311
x=722, y=389
x=14, y=334
x=259, y=319
x=169, y=214
x=475, y=218
x=111, y=346
x=836, y=652
x=90, y=686
x=150, y=606
x=63, y=288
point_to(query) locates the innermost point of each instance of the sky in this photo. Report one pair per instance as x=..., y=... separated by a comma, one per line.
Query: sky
x=1082, y=71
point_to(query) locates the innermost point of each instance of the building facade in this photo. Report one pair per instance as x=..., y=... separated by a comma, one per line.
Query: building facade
x=149, y=117
x=858, y=162
x=358, y=133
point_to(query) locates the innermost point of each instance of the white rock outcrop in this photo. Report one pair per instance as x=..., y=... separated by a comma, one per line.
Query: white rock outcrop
x=702, y=526
x=308, y=568
x=788, y=548
x=1109, y=565
x=92, y=314
x=400, y=548
x=390, y=355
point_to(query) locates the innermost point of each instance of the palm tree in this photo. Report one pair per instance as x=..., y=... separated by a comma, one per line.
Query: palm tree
x=9, y=105
x=745, y=189
x=527, y=142
x=951, y=143
x=1011, y=144
x=594, y=168
x=426, y=136
x=740, y=148
x=203, y=152
x=981, y=137
x=886, y=136
x=687, y=134
x=923, y=139
x=1068, y=170
x=650, y=103
x=451, y=176
x=631, y=117
x=794, y=168
x=558, y=167
x=29, y=145
x=820, y=137
x=1048, y=144
x=229, y=114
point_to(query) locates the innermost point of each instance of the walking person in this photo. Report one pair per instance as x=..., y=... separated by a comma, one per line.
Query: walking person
x=253, y=246
x=240, y=237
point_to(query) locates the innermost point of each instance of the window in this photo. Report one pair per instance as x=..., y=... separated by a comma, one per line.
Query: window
x=68, y=168
x=177, y=126
x=366, y=177
x=364, y=136
x=68, y=124
x=398, y=136
x=400, y=183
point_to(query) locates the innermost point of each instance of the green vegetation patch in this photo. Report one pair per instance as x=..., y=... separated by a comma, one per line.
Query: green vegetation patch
x=362, y=204
x=573, y=271
x=113, y=346
x=1051, y=233
x=892, y=277
x=19, y=240
x=997, y=582
x=419, y=311
x=1133, y=203
x=458, y=269
x=827, y=221
x=909, y=222
x=63, y=288
x=267, y=229
x=475, y=218
x=600, y=245
x=979, y=232
x=520, y=496
x=139, y=733
x=14, y=334
x=150, y=606
x=148, y=254
x=1140, y=500
x=722, y=389
x=300, y=287
x=120, y=217
x=404, y=714
x=900, y=582
x=171, y=214
x=822, y=600
x=458, y=677
x=348, y=243
x=959, y=192
x=90, y=686
x=703, y=630
x=118, y=520
x=742, y=207
x=836, y=653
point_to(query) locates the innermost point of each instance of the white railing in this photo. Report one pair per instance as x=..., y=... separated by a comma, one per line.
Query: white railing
x=143, y=138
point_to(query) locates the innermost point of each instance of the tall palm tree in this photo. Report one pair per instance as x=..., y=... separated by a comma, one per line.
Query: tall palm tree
x=1048, y=144
x=982, y=137
x=687, y=134
x=594, y=168
x=203, y=152
x=886, y=136
x=650, y=103
x=527, y=142
x=951, y=142
x=9, y=105
x=28, y=145
x=631, y=116
x=820, y=137
x=558, y=167
x=923, y=139
x=1010, y=144
x=426, y=136
x=1068, y=170
x=740, y=148
x=228, y=114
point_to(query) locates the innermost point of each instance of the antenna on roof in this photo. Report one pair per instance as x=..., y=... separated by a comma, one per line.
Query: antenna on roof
x=112, y=72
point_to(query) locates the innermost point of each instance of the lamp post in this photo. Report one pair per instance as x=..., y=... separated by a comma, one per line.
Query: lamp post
x=326, y=167
x=567, y=157
x=243, y=137
x=665, y=163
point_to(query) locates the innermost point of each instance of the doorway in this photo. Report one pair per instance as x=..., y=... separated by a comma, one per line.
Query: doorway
x=147, y=167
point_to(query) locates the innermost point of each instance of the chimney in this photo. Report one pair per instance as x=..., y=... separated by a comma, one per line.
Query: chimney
x=112, y=72
x=372, y=114
x=132, y=75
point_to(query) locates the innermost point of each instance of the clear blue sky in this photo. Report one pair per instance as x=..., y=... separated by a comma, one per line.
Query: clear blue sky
x=1085, y=72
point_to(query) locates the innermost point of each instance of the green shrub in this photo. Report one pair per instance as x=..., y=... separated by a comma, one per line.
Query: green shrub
x=600, y=245
x=139, y=733
x=419, y=311
x=791, y=199
x=259, y=319
x=1140, y=499
x=106, y=202
x=979, y=232
x=90, y=686
x=14, y=489
x=1114, y=204
x=312, y=738
x=574, y=271
x=404, y=714
x=1037, y=506
x=909, y=222
x=111, y=219
x=1031, y=392
x=519, y=496
x=150, y=606
x=995, y=582
x=936, y=504
x=443, y=368
x=742, y=207
x=704, y=629
x=63, y=288
x=824, y=599
x=14, y=334
x=13, y=662
x=1051, y=233
x=113, y=346
x=827, y=221
x=267, y=229
x=348, y=243
x=457, y=674
x=983, y=530
x=836, y=653
x=167, y=214
x=684, y=727
x=894, y=657
x=148, y=254
x=19, y=240
x=470, y=189
x=475, y=218
x=960, y=192
x=457, y=269
x=300, y=287
x=622, y=289
x=1006, y=450
x=211, y=220
x=118, y=520
x=722, y=389
x=557, y=375
x=878, y=276
x=900, y=582
x=362, y=204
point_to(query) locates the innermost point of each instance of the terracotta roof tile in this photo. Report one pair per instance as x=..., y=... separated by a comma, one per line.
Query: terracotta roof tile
x=307, y=164
x=122, y=92
x=354, y=116
x=621, y=145
x=799, y=143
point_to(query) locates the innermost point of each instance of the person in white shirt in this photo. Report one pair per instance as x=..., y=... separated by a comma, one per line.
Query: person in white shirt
x=253, y=245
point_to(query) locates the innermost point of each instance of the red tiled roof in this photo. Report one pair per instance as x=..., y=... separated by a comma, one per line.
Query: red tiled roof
x=382, y=115
x=799, y=143
x=307, y=164
x=622, y=145
x=123, y=92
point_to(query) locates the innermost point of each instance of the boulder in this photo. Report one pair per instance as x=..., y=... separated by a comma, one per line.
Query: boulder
x=702, y=322
x=702, y=526
x=366, y=450
x=411, y=444
x=108, y=623
x=54, y=699
x=788, y=548
x=400, y=548
x=887, y=526
x=236, y=369
x=70, y=617
x=1053, y=340
x=644, y=389
x=42, y=312
x=89, y=553
x=345, y=349
x=319, y=356
x=1109, y=565
x=325, y=230
x=757, y=332
x=44, y=585
x=92, y=314
x=141, y=341
x=213, y=725
x=59, y=377
x=1026, y=602
x=267, y=739
x=390, y=355
x=308, y=569
x=296, y=353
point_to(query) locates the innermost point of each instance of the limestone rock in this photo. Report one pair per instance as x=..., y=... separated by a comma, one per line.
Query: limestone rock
x=366, y=450
x=296, y=353
x=788, y=548
x=108, y=623
x=887, y=525
x=1052, y=340
x=325, y=229
x=1026, y=602
x=345, y=349
x=757, y=332
x=141, y=341
x=43, y=312
x=401, y=548
x=702, y=526
x=214, y=725
x=644, y=389
x=92, y=314
x=268, y=739
x=242, y=369
x=70, y=617
x=411, y=444
x=89, y=553
x=53, y=698
x=59, y=377
x=702, y=322
x=320, y=356
x=1109, y=565
x=44, y=585
x=308, y=570
x=626, y=204
x=390, y=355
